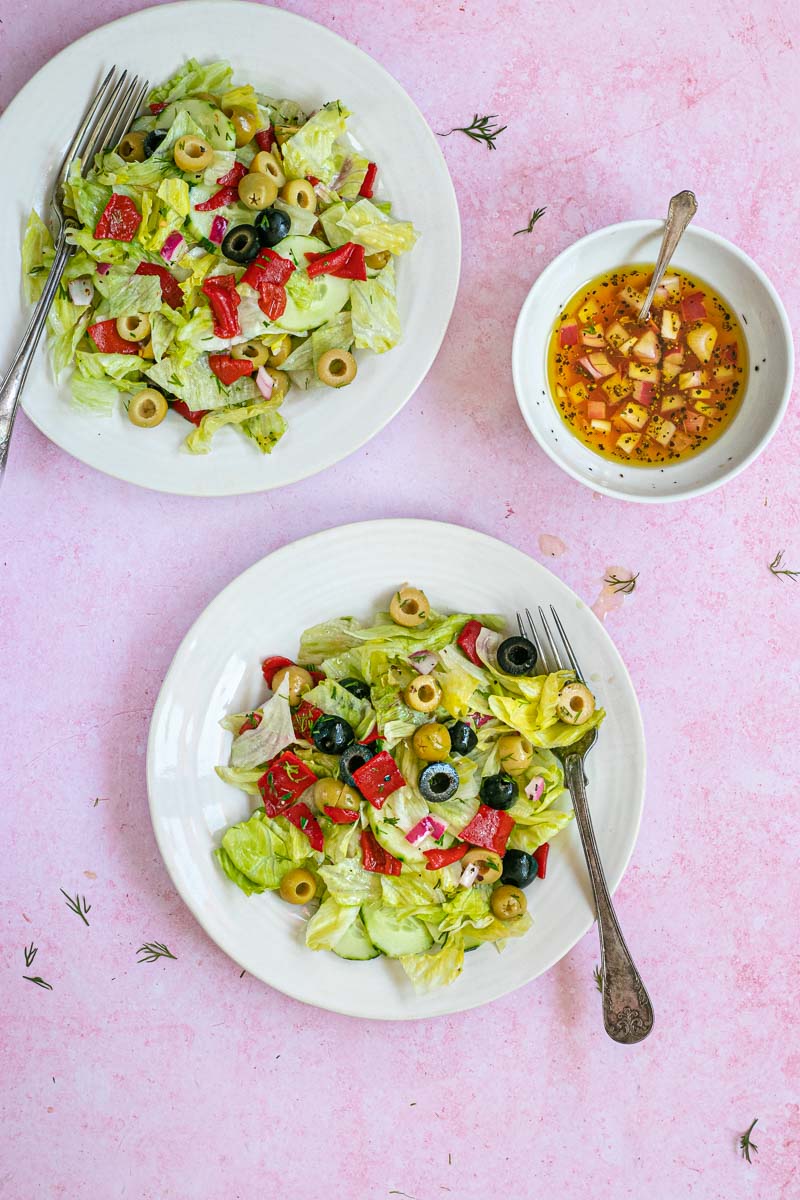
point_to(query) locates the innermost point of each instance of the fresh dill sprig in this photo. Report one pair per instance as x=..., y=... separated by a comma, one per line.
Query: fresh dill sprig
x=30, y=954
x=597, y=974
x=776, y=568
x=481, y=129
x=153, y=950
x=745, y=1145
x=536, y=215
x=626, y=586
x=37, y=979
x=77, y=904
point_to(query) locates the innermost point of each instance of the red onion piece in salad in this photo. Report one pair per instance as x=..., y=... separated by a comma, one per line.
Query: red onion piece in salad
x=81, y=291
x=535, y=788
x=264, y=383
x=218, y=229
x=174, y=246
x=424, y=661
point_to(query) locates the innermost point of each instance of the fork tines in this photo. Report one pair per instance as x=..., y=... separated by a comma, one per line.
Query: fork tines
x=118, y=99
x=547, y=648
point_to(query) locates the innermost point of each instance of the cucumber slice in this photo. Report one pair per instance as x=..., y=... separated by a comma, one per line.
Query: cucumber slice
x=213, y=122
x=200, y=222
x=393, y=936
x=330, y=293
x=355, y=945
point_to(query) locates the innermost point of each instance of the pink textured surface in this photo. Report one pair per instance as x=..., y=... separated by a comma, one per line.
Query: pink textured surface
x=181, y=1080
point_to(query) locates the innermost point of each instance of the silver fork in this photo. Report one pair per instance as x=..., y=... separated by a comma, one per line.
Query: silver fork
x=627, y=1011
x=117, y=101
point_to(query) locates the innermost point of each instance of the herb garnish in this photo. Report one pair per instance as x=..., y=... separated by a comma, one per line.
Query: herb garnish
x=30, y=954
x=37, y=979
x=626, y=586
x=77, y=904
x=153, y=950
x=598, y=978
x=536, y=215
x=776, y=568
x=480, y=130
x=745, y=1145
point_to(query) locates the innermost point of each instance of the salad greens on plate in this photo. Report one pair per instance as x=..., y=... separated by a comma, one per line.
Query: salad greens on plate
x=406, y=786
x=228, y=248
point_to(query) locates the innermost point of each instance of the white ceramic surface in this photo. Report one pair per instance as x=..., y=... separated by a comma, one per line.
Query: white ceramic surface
x=217, y=671
x=739, y=281
x=314, y=66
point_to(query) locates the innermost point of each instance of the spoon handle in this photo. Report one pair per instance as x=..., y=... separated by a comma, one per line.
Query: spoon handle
x=682, y=208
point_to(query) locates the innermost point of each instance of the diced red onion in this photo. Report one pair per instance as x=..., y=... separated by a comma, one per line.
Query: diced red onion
x=590, y=368
x=103, y=268
x=428, y=825
x=478, y=719
x=486, y=645
x=218, y=228
x=174, y=246
x=424, y=661
x=535, y=788
x=264, y=383
x=81, y=291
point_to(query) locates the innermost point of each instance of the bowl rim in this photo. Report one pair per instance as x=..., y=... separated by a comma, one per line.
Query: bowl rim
x=647, y=226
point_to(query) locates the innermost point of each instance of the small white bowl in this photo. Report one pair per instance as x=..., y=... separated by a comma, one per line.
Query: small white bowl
x=746, y=289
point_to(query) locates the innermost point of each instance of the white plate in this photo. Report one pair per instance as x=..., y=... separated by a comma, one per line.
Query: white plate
x=353, y=570
x=313, y=65
x=769, y=340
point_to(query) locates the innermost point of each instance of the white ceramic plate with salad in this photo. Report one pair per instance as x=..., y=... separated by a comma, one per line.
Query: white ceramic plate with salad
x=416, y=290
x=217, y=672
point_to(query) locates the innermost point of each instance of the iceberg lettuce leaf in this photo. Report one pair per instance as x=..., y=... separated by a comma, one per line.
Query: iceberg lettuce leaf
x=375, y=317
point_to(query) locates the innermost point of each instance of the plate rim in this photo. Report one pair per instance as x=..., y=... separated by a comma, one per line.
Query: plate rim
x=210, y=485
x=385, y=526
x=651, y=225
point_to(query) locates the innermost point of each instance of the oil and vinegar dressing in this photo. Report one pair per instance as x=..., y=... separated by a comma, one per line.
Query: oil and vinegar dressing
x=647, y=394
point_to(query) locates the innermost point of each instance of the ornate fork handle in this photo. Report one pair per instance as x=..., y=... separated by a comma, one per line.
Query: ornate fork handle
x=627, y=1011
x=682, y=208
x=14, y=381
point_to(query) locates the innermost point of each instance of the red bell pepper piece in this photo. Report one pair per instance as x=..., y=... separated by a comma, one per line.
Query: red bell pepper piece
x=232, y=177
x=312, y=179
x=490, y=828
x=272, y=299
x=251, y=721
x=271, y=666
x=443, y=858
x=374, y=736
x=119, y=220
x=225, y=300
x=467, y=640
x=265, y=138
x=378, y=779
x=171, y=292
x=268, y=274
x=375, y=858
x=105, y=337
x=181, y=407
x=157, y=108
x=268, y=267
x=225, y=195
x=540, y=854
x=302, y=816
x=304, y=718
x=316, y=676
x=368, y=185
x=347, y=262
x=228, y=369
x=340, y=816
x=285, y=779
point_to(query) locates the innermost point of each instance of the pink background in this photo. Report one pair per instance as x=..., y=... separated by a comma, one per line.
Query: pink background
x=180, y=1079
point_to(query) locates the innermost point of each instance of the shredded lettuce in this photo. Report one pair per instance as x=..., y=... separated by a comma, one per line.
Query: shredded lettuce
x=125, y=294
x=329, y=924
x=191, y=79
x=37, y=256
x=365, y=224
x=376, y=320
x=311, y=151
x=436, y=968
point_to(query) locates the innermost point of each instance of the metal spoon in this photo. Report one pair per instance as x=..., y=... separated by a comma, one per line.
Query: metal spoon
x=682, y=208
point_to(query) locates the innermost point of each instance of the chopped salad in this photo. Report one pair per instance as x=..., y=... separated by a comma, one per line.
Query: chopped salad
x=228, y=248
x=406, y=785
